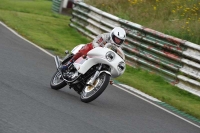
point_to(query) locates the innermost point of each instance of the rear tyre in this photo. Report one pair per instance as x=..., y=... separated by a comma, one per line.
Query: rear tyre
x=57, y=82
x=90, y=93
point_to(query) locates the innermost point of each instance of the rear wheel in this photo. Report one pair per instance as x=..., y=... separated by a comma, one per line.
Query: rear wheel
x=90, y=93
x=57, y=82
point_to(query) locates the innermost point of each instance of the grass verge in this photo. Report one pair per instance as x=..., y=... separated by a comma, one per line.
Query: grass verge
x=34, y=20
x=179, y=18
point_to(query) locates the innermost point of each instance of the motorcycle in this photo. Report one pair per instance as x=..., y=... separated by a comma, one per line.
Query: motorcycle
x=89, y=75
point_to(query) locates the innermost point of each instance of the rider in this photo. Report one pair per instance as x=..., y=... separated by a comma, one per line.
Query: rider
x=115, y=37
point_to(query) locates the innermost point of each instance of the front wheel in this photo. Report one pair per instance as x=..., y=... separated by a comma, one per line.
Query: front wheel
x=57, y=82
x=90, y=93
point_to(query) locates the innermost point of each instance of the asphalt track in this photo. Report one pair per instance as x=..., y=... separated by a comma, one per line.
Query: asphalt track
x=28, y=105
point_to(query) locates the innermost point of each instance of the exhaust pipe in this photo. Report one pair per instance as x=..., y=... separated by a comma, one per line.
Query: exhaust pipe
x=56, y=58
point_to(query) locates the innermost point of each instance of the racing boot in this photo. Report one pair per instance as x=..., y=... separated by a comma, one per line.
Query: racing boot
x=64, y=68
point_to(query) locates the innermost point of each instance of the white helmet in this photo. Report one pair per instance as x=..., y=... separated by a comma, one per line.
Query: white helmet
x=117, y=36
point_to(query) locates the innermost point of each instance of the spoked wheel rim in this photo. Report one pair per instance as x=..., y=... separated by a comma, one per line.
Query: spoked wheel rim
x=91, y=90
x=57, y=79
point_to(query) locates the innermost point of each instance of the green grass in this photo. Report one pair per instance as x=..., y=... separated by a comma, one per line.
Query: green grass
x=179, y=18
x=35, y=20
x=157, y=87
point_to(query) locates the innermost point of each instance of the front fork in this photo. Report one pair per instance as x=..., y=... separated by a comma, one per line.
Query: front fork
x=97, y=73
x=91, y=81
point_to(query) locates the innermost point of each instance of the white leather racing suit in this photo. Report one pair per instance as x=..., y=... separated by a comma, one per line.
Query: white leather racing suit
x=99, y=41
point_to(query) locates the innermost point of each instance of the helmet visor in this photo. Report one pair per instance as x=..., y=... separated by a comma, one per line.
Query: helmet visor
x=117, y=40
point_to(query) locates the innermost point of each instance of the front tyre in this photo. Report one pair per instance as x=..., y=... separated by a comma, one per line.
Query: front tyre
x=57, y=82
x=90, y=93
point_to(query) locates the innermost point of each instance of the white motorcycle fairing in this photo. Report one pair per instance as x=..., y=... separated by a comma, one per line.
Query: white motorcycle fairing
x=96, y=56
